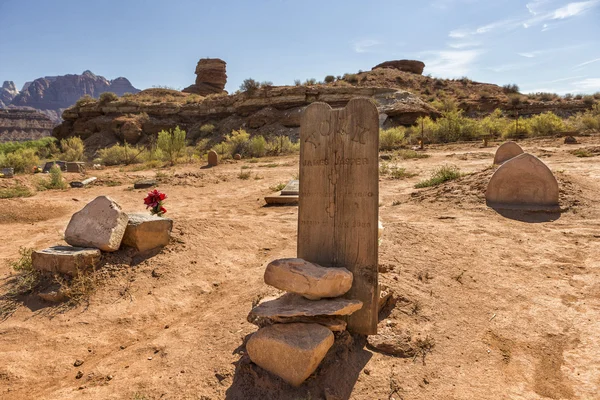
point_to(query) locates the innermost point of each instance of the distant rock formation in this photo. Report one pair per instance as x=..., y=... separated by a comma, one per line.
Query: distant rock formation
x=412, y=66
x=211, y=77
x=8, y=91
x=23, y=124
x=59, y=92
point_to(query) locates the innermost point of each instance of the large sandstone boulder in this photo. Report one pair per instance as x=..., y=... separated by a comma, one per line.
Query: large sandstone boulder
x=523, y=183
x=506, y=151
x=65, y=259
x=146, y=232
x=100, y=224
x=412, y=66
x=211, y=77
x=291, y=351
x=307, y=279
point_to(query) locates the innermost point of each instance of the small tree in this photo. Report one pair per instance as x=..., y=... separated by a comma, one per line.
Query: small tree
x=329, y=79
x=171, y=143
x=72, y=148
x=249, y=85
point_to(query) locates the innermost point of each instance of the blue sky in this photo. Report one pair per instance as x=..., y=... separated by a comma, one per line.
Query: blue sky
x=541, y=45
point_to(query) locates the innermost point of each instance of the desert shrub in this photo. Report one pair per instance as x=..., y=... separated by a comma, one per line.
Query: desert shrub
x=442, y=174
x=121, y=155
x=400, y=173
x=310, y=82
x=545, y=124
x=249, y=85
x=544, y=96
x=84, y=100
x=392, y=138
x=237, y=142
x=454, y=126
x=72, y=149
x=510, y=88
x=28, y=278
x=281, y=145
x=494, y=124
x=257, y=147
x=582, y=153
x=588, y=100
x=329, y=79
x=266, y=83
x=514, y=100
x=244, y=175
x=48, y=143
x=297, y=82
x=568, y=96
x=171, y=143
x=107, y=97
x=352, y=78
x=202, y=146
x=16, y=191
x=516, y=131
x=207, y=129
x=21, y=160
x=56, y=180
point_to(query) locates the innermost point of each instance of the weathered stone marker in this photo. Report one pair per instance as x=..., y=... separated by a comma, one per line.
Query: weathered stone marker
x=523, y=183
x=339, y=198
x=506, y=151
x=213, y=158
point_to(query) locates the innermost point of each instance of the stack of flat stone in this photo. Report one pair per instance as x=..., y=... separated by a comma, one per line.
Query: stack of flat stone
x=102, y=226
x=296, y=328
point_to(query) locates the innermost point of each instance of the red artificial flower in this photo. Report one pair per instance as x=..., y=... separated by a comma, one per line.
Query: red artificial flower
x=154, y=201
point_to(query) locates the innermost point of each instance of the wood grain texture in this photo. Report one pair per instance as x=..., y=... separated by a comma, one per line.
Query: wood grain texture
x=339, y=198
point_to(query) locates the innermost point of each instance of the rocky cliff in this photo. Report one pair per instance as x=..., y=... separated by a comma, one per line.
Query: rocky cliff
x=267, y=111
x=8, y=91
x=54, y=94
x=23, y=124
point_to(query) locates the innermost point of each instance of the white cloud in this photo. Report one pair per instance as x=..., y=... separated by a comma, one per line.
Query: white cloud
x=536, y=16
x=463, y=45
x=573, y=9
x=587, y=62
x=366, y=45
x=528, y=55
x=588, y=85
x=448, y=63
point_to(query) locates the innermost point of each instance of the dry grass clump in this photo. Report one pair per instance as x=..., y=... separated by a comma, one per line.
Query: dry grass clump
x=443, y=174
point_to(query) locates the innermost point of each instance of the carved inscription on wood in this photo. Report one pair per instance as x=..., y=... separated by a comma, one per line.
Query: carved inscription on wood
x=339, y=198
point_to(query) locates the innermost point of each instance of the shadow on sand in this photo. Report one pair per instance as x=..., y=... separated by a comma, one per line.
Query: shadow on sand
x=336, y=375
x=532, y=217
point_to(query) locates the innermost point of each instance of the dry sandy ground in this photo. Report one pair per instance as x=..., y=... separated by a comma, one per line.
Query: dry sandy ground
x=512, y=305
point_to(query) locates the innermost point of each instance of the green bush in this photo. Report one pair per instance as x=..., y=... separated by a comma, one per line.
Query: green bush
x=281, y=145
x=257, y=147
x=352, y=78
x=72, y=149
x=207, y=129
x=121, y=155
x=494, y=124
x=310, y=82
x=237, y=142
x=392, y=138
x=329, y=79
x=48, y=143
x=21, y=160
x=107, y=97
x=85, y=100
x=56, y=180
x=545, y=124
x=588, y=100
x=442, y=174
x=411, y=154
x=517, y=131
x=171, y=143
x=16, y=191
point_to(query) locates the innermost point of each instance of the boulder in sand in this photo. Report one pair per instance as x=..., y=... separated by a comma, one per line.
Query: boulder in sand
x=291, y=351
x=146, y=232
x=65, y=259
x=307, y=279
x=100, y=224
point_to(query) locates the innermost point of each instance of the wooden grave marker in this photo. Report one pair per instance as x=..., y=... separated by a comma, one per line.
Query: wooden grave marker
x=339, y=198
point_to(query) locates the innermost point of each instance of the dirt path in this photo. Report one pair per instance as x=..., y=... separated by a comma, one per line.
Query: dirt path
x=513, y=306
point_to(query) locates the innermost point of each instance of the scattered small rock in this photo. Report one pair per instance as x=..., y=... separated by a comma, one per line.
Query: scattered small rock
x=79, y=375
x=109, y=377
x=77, y=363
x=149, y=358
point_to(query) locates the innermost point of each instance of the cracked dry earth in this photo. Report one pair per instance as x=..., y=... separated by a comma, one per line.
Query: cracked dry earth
x=512, y=306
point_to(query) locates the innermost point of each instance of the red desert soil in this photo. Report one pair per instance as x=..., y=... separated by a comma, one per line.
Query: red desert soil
x=513, y=306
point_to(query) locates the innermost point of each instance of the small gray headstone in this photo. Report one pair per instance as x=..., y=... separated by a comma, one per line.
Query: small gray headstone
x=8, y=172
x=144, y=184
x=292, y=188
